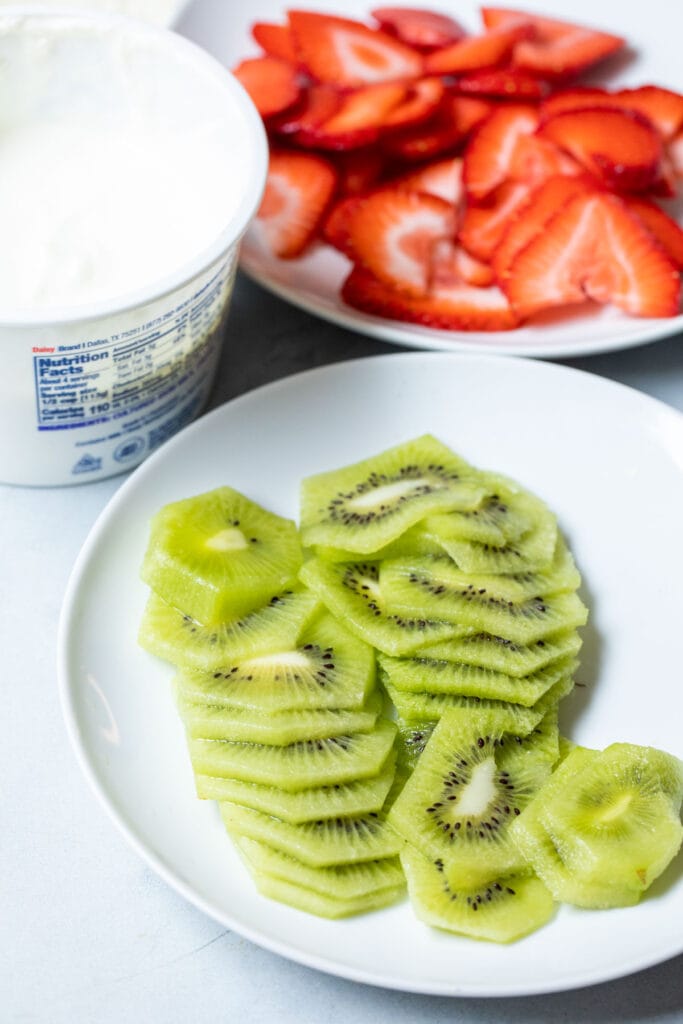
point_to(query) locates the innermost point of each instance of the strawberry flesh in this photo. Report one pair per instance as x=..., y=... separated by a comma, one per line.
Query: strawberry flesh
x=490, y=152
x=424, y=30
x=275, y=40
x=272, y=84
x=505, y=83
x=475, y=53
x=298, y=191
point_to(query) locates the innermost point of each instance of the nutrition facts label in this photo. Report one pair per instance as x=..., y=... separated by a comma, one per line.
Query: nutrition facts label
x=140, y=373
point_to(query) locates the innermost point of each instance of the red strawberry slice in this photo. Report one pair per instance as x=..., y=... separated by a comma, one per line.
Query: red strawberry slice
x=298, y=191
x=442, y=178
x=530, y=218
x=276, y=40
x=484, y=225
x=392, y=235
x=348, y=53
x=506, y=83
x=476, y=52
x=359, y=170
x=318, y=104
x=594, y=248
x=490, y=152
x=361, y=116
x=454, y=307
x=619, y=146
x=559, y=49
x=338, y=222
x=664, y=228
x=674, y=152
x=451, y=264
x=535, y=159
x=421, y=102
x=272, y=84
x=662, y=107
x=421, y=29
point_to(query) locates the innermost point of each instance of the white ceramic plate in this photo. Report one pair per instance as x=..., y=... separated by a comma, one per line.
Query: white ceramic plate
x=607, y=459
x=313, y=282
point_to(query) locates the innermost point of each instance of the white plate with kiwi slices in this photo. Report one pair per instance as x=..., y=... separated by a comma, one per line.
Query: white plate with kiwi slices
x=313, y=282
x=606, y=459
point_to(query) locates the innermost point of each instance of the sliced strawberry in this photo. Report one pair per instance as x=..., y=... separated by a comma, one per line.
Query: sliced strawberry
x=360, y=118
x=359, y=170
x=619, y=146
x=665, y=185
x=476, y=52
x=534, y=160
x=272, y=84
x=490, y=152
x=674, y=152
x=442, y=178
x=423, y=30
x=439, y=134
x=469, y=112
x=455, y=307
x=594, y=248
x=421, y=102
x=664, y=228
x=662, y=107
x=336, y=226
x=484, y=225
x=318, y=104
x=558, y=49
x=298, y=191
x=506, y=83
x=348, y=53
x=393, y=233
x=276, y=40
x=452, y=265
x=529, y=219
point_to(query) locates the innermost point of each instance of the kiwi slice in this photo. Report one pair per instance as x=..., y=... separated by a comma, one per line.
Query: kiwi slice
x=320, y=843
x=487, y=650
x=436, y=586
x=219, y=555
x=342, y=881
x=422, y=675
x=327, y=668
x=348, y=800
x=531, y=552
x=551, y=698
x=167, y=633
x=323, y=762
x=458, y=804
x=499, y=909
x=351, y=591
x=506, y=514
x=540, y=747
x=412, y=739
x=415, y=541
x=279, y=728
x=419, y=708
x=364, y=506
x=301, y=898
x=614, y=818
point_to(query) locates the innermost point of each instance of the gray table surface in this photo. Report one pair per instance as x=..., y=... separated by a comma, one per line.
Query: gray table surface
x=87, y=932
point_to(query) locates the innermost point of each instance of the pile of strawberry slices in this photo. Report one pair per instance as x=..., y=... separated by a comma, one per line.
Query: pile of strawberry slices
x=470, y=180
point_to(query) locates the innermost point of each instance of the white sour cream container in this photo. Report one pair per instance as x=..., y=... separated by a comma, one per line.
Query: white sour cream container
x=135, y=163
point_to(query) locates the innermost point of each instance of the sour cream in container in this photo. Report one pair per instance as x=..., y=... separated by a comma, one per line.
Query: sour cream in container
x=130, y=165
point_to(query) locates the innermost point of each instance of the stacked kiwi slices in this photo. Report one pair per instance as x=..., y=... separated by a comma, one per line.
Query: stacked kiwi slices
x=280, y=704
x=422, y=590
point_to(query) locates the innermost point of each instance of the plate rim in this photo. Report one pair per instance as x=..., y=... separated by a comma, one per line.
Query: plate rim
x=67, y=637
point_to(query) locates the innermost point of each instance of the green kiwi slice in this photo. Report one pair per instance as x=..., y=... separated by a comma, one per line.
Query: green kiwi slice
x=311, y=902
x=419, y=708
x=219, y=555
x=364, y=506
x=498, y=909
x=321, y=843
x=422, y=675
x=278, y=728
x=167, y=633
x=614, y=818
x=412, y=739
x=327, y=668
x=415, y=541
x=539, y=748
x=437, y=587
x=323, y=762
x=531, y=552
x=458, y=803
x=351, y=591
x=495, y=652
x=348, y=800
x=342, y=881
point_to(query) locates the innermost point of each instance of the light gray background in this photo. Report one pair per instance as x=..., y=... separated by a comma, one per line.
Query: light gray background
x=87, y=932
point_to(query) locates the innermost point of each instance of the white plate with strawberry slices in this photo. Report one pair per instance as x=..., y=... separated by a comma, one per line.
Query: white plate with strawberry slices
x=427, y=265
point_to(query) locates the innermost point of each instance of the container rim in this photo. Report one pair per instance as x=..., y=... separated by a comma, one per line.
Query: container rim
x=203, y=63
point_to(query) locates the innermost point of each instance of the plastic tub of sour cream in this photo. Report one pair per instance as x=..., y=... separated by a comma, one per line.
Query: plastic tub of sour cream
x=130, y=165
